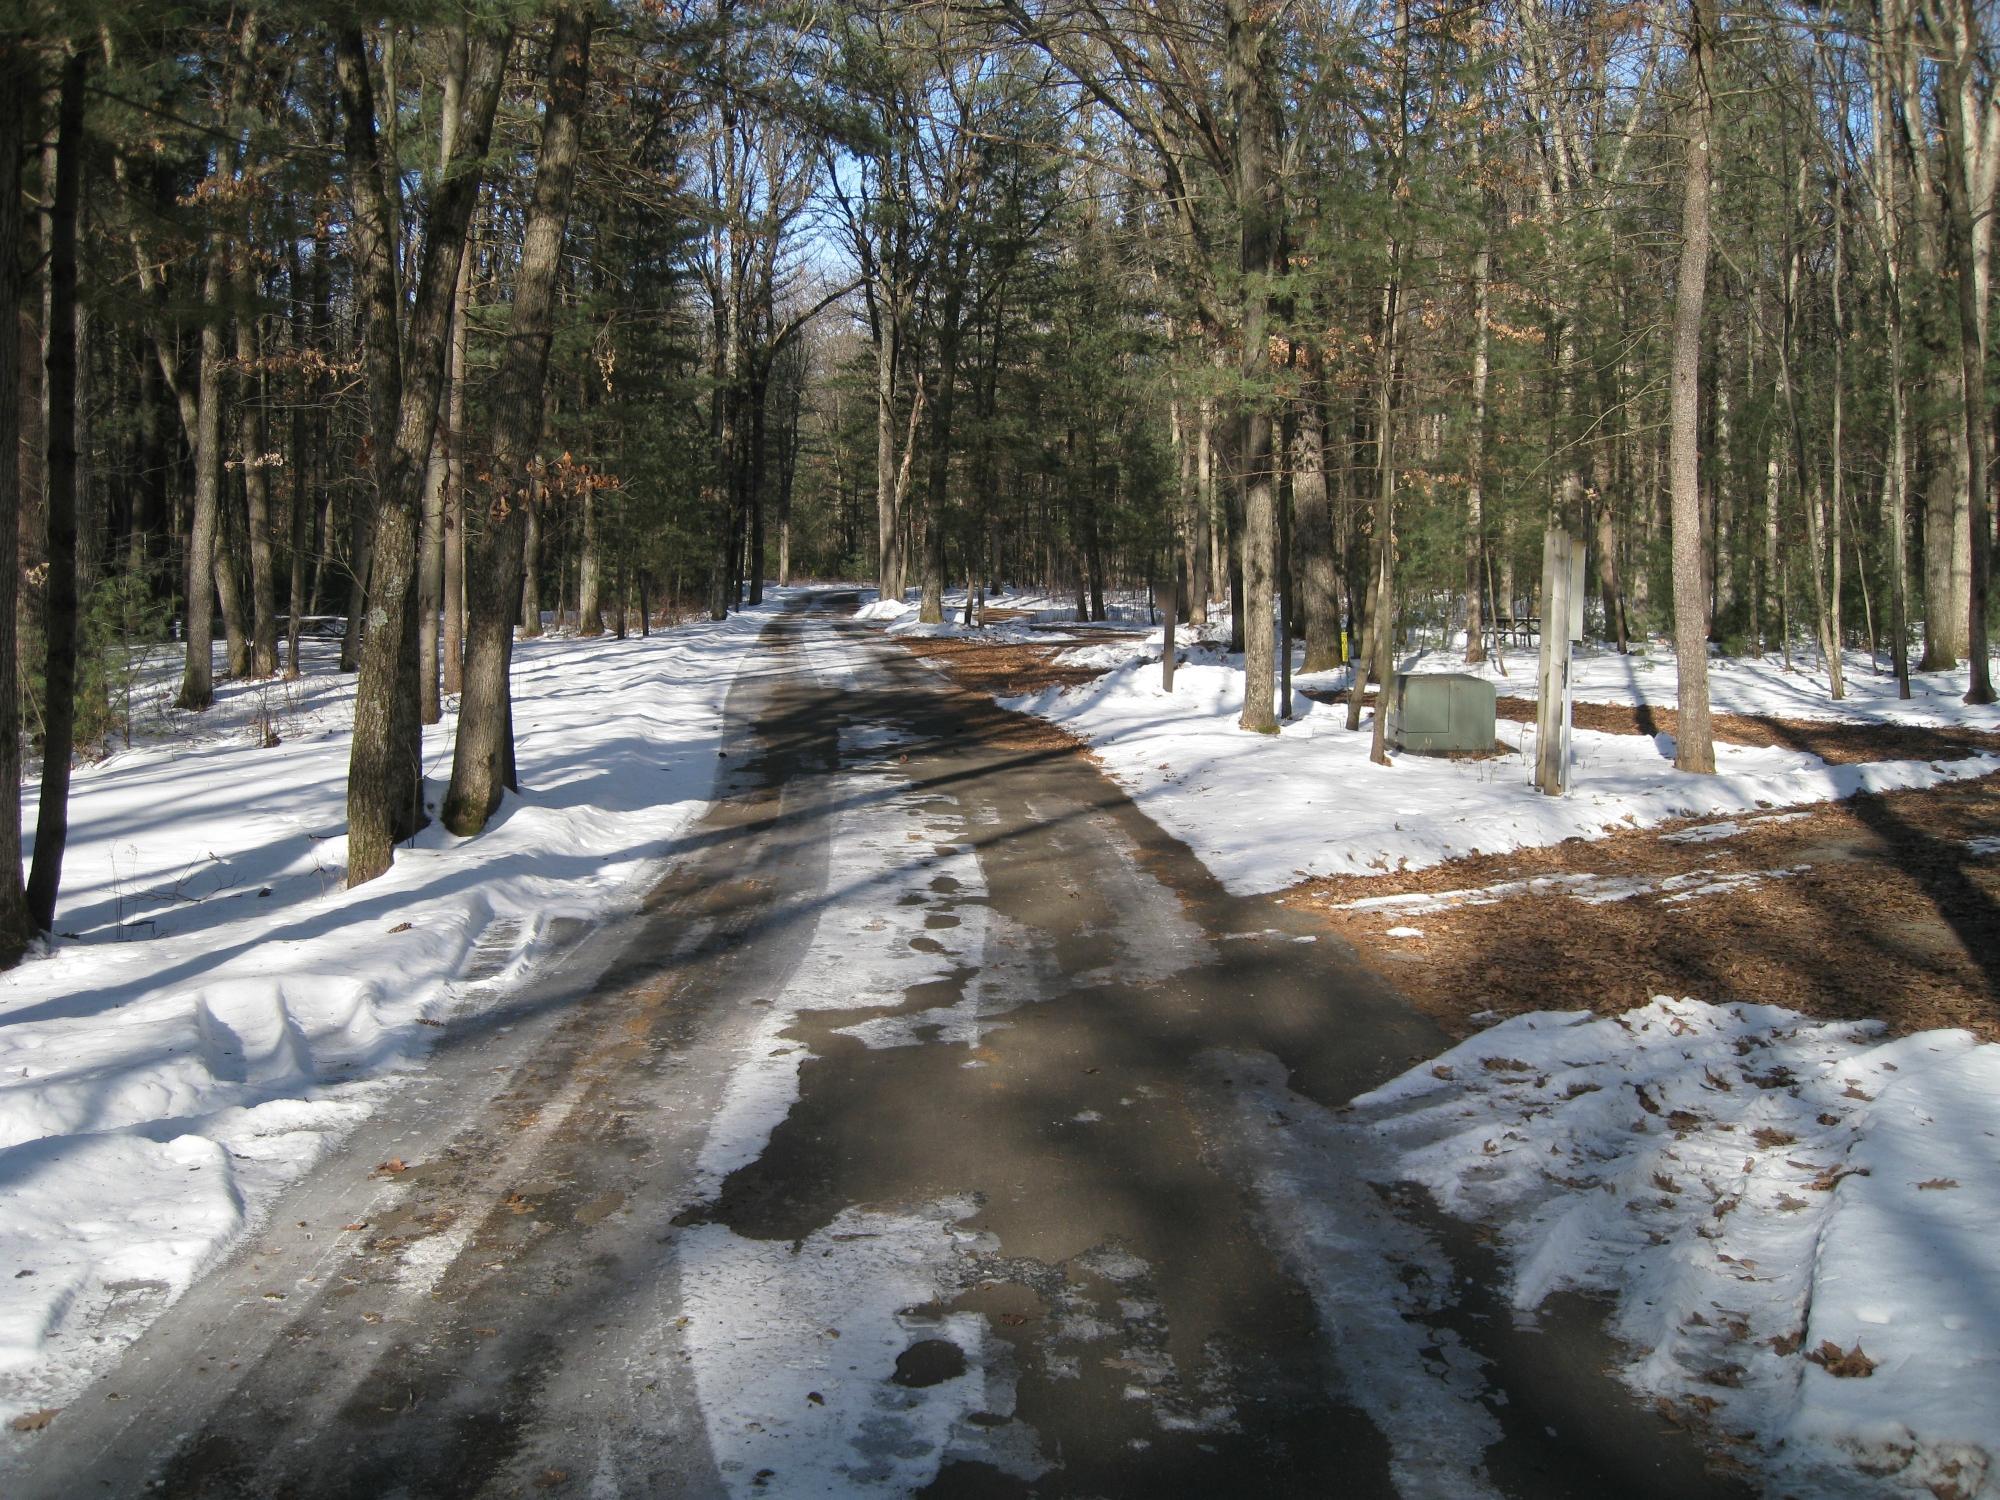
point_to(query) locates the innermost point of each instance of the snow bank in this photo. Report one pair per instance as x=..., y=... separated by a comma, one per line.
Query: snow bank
x=1263, y=811
x=1795, y=1219
x=219, y=1009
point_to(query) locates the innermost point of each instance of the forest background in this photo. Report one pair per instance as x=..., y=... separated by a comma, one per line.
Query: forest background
x=427, y=325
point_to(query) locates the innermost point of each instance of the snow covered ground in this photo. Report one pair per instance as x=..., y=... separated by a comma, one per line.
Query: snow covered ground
x=1792, y=1220
x=218, y=1009
x=1736, y=684
x=1264, y=812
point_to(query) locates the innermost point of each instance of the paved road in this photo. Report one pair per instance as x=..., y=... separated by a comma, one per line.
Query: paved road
x=940, y=1125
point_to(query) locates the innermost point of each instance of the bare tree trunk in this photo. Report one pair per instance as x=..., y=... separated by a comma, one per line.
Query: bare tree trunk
x=1694, y=745
x=1313, y=532
x=385, y=765
x=250, y=438
x=1201, y=538
x=528, y=596
x=198, y=676
x=453, y=644
x=888, y=511
x=1941, y=459
x=1381, y=624
x=1475, y=448
x=589, y=593
x=483, y=758
x=434, y=520
x=1249, y=78
x=19, y=84
x=59, y=627
x=1960, y=146
x=757, y=470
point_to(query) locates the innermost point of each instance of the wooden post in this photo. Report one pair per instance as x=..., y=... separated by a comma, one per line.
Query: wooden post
x=1552, y=681
x=1173, y=608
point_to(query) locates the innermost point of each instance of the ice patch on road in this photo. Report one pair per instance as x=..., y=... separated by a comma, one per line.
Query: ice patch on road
x=870, y=946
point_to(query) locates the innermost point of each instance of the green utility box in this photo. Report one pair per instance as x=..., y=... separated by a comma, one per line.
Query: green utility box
x=1440, y=713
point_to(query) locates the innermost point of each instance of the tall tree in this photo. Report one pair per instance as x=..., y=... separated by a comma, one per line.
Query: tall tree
x=59, y=499
x=385, y=768
x=1694, y=746
x=19, y=86
x=482, y=767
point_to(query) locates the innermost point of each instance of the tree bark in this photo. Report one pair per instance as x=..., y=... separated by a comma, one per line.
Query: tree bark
x=1312, y=536
x=1960, y=144
x=1249, y=81
x=1475, y=448
x=198, y=675
x=589, y=593
x=1694, y=746
x=483, y=758
x=19, y=85
x=453, y=643
x=59, y=499
x=251, y=440
x=437, y=474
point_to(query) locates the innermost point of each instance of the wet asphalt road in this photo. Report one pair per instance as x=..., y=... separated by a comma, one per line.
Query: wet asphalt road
x=636, y=1188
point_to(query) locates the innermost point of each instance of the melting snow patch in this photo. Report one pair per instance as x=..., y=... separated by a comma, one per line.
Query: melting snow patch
x=1593, y=890
x=1795, y=1218
x=1729, y=828
x=816, y=1370
x=1377, y=1284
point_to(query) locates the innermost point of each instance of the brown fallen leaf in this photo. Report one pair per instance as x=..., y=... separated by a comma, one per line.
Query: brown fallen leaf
x=1849, y=1364
x=357, y=1225
x=1771, y=1138
x=400, y=927
x=391, y=1167
x=1785, y=1344
x=34, y=1421
x=1938, y=1182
